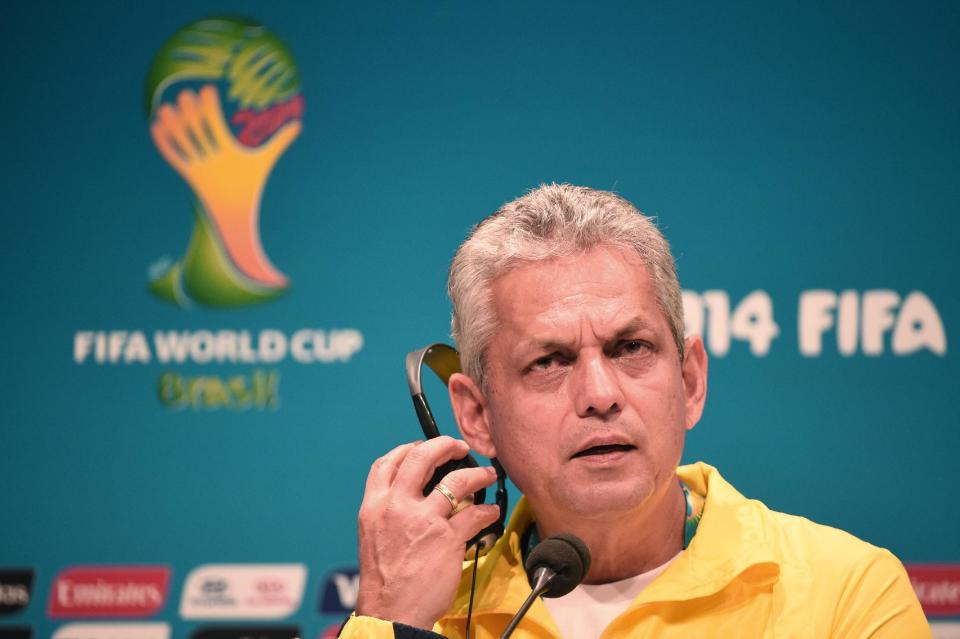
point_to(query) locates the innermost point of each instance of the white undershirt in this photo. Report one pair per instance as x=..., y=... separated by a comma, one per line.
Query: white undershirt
x=586, y=611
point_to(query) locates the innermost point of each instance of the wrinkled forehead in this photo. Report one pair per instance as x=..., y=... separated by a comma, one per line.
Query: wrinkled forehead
x=604, y=287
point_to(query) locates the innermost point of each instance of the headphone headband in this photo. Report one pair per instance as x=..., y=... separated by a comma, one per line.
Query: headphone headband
x=445, y=361
x=442, y=360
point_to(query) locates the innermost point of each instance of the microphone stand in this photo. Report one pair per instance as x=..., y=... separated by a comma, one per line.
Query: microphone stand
x=542, y=577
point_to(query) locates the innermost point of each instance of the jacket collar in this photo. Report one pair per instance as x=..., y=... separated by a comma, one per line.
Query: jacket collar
x=733, y=542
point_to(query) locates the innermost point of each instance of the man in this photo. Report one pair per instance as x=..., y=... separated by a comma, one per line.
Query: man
x=578, y=378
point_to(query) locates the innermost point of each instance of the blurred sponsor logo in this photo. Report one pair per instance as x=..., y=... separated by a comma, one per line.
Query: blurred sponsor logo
x=113, y=631
x=16, y=584
x=937, y=587
x=271, y=632
x=109, y=591
x=340, y=591
x=945, y=629
x=331, y=632
x=214, y=586
x=243, y=591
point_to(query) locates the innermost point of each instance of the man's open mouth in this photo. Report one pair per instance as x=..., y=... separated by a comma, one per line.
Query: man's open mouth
x=604, y=449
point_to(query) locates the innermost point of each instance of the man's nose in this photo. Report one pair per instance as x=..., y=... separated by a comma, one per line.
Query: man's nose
x=596, y=389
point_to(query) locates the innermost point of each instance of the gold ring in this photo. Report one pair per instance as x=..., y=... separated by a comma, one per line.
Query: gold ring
x=454, y=502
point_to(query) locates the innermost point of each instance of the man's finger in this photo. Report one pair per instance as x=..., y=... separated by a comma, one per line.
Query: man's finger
x=468, y=522
x=420, y=463
x=384, y=469
x=463, y=483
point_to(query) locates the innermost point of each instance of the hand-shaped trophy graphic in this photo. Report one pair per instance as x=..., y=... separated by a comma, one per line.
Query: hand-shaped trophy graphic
x=203, y=63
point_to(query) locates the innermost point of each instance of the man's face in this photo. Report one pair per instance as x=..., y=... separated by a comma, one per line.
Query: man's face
x=587, y=403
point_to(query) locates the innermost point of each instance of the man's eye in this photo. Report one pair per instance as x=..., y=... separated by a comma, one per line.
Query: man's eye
x=547, y=362
x=544, y=362
x=633, y=347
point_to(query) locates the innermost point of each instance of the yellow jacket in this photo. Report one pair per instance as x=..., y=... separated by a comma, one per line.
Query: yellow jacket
x=749, y=572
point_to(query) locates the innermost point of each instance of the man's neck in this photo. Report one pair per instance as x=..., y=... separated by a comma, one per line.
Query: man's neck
x=624, y=545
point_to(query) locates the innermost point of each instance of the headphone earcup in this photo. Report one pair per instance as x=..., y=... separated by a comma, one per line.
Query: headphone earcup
x=486, y=538
x=449, y=467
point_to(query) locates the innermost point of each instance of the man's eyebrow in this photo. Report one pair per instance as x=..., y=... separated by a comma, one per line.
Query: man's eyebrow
x=636, y=324
x=550, y=345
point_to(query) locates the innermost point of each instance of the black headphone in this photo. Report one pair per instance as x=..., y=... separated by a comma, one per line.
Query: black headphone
x=445, y=361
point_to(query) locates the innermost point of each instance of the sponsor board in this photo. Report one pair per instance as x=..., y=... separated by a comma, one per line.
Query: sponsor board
x=109, y=591
x=945, y=629
x=331, y=632
x=243, y=591
x=113, y=631
x=241, y=632
x=16, y=586
x=937, y=587
x=16, y=632
x=339, y=595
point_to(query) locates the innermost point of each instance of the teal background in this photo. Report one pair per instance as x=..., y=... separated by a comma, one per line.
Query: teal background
x=784, y=147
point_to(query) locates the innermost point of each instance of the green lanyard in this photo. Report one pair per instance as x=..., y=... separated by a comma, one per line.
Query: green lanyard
x=693, y=514
x=694, y=511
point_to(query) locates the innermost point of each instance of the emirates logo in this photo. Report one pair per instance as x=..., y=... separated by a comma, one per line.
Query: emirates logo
x=109, y=592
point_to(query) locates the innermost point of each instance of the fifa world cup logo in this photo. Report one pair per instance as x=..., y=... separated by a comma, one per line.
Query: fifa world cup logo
x=223, y=97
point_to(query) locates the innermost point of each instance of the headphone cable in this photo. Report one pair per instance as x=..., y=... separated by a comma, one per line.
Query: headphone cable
x=473, y=588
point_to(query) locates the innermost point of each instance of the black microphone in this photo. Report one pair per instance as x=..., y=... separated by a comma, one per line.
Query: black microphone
x=555, y=567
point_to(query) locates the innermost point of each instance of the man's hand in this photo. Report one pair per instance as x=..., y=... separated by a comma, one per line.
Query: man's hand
x=411, y=552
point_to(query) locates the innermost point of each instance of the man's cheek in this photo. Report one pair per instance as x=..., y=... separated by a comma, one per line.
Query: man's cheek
x=522, y=455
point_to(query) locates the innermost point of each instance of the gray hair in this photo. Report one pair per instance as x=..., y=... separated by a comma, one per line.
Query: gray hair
x=550, y=221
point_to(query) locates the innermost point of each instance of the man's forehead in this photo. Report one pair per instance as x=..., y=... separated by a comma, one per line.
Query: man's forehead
x=609, y=286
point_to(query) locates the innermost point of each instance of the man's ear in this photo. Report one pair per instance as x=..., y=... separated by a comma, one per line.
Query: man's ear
x=470, y=411
x=694, y=379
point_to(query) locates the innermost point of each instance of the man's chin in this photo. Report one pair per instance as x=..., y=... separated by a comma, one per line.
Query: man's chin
x=603, y=500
